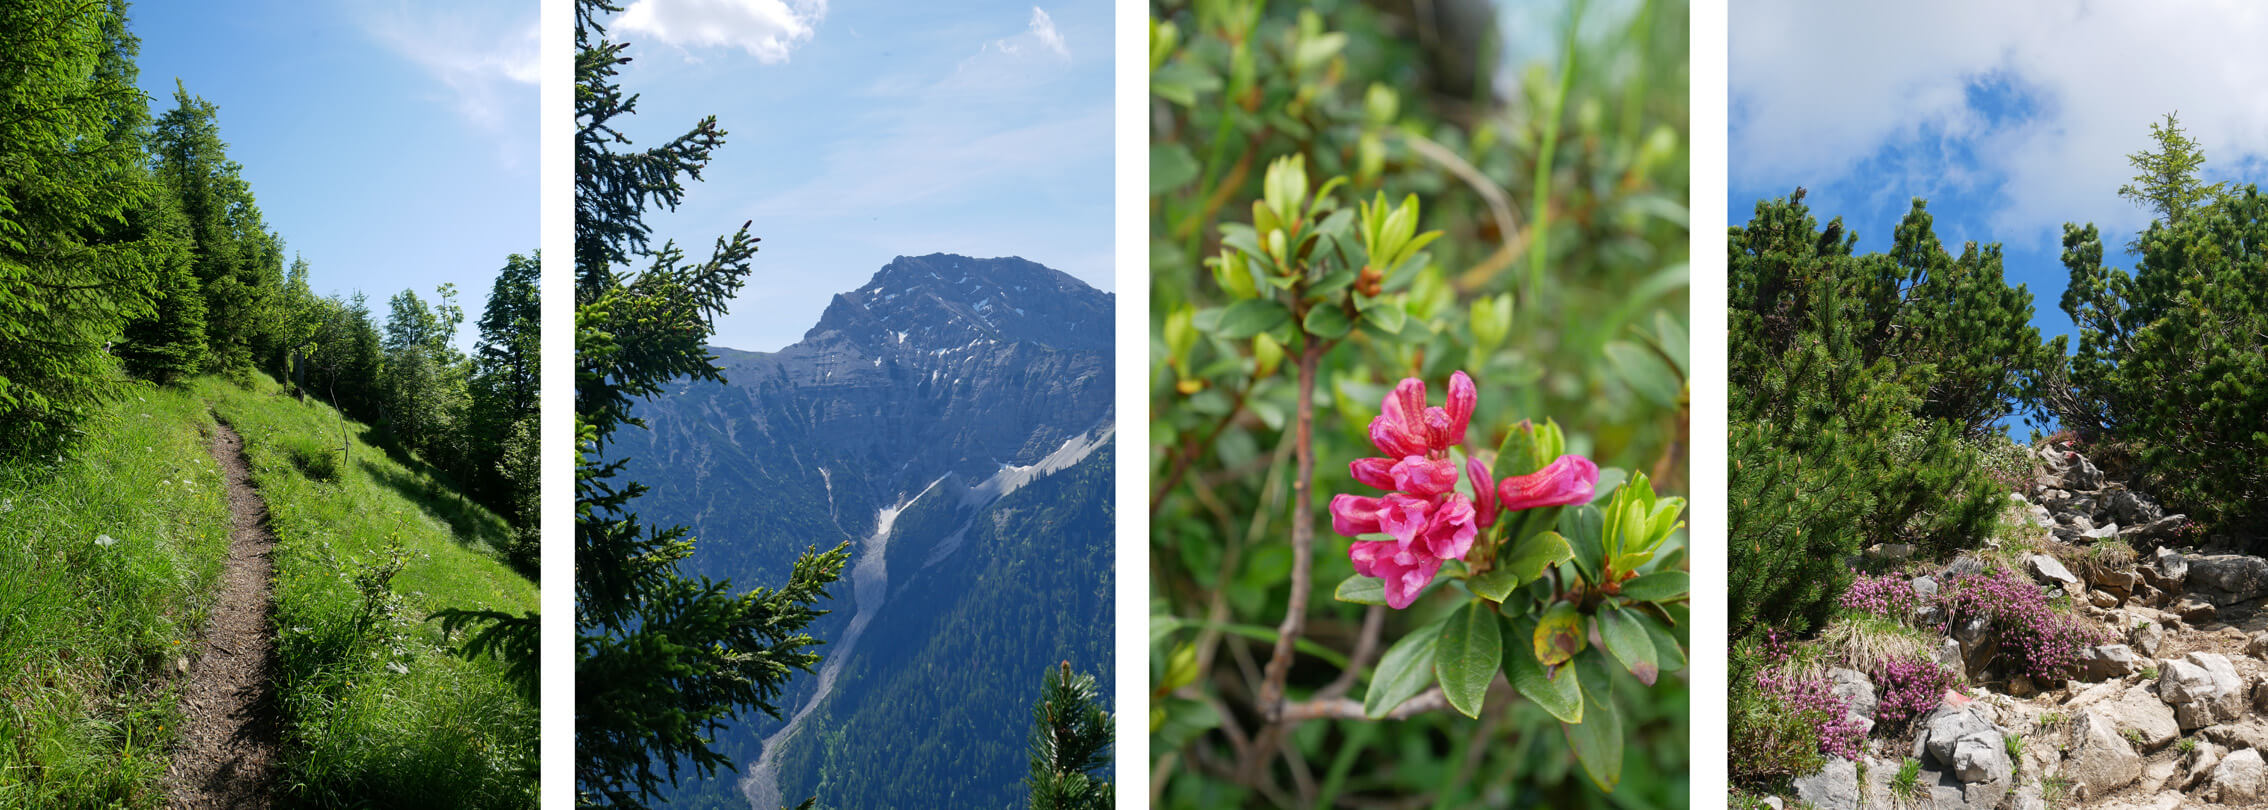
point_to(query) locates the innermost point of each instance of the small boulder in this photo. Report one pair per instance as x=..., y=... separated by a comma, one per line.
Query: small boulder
x=2100, y=759
x=2196, y=611
x=2227, y=579
x=2171, y=567
x=2240, y=779
x=1966, y=744
x=1925, y=587
x=2050, y=572
x=2257, y=646
x=1856, y=690
x=2101, y=600
x=2106, y=531
x=2203, y=689
x=2115, y=579
x=2106, y=661
x=2147, y=637
x=2139, y=712
x=1834, y=787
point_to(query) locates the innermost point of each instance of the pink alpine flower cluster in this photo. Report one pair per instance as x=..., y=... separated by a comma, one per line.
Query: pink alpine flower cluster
x=1428, y=520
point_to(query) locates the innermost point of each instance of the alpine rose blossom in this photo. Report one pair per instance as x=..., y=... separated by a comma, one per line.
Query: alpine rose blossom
x=1429, y=521
x=1566, y=481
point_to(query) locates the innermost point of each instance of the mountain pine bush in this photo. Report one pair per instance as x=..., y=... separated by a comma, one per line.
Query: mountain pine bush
x=2173, y=360
x=1860, y=386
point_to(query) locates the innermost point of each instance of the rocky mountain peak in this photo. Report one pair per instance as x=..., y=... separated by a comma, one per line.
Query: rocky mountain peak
x=942, y=301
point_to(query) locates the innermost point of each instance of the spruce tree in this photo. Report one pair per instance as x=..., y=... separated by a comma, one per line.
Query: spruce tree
x=72, y=271
x=662, y=659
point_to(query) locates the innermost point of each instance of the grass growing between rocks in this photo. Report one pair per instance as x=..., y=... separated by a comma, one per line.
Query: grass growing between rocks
x=377, y=713
x=108, y=560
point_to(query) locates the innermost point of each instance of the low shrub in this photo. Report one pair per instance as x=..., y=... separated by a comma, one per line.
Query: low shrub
x=1889, y=596
x=1908, y=688
x=312, y=458
x=2036, y=639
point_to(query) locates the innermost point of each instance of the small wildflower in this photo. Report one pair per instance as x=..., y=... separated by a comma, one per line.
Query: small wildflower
x=1429, y=521
x=397, y=668
x=105, y=540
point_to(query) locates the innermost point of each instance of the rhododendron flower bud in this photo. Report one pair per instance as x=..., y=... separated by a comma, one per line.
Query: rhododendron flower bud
x=1462, y=398
x=1566, y=481
x=1374, y=472
x=1400, y=428
x=1405, y=571
x=1425, y=477
x=1354, y=515
x=1484, y=492
x=1449, y=532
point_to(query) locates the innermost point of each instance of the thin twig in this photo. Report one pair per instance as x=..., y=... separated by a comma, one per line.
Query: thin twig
x=1366, y=645
x=1430, y=700
x=1302, y=536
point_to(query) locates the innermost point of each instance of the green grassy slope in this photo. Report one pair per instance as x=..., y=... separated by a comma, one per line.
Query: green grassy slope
x=88, y=631
x=376, y=713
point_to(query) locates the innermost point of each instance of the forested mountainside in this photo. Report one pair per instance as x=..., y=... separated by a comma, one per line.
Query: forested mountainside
x=951, y=418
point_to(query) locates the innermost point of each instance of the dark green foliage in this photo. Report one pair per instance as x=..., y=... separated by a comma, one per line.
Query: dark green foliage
x=2173, y=360
x=168, y=343
x=73, y=269
x=501, y=420
x=424, y=377
x=1070, y=744
x=1770, y=744
x=1860, y=386
x=237, y=261
x=662, y=660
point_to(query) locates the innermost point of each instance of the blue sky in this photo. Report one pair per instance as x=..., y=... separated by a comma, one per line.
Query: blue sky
x=2010, y=118
x=861, y=131
x=391, y=142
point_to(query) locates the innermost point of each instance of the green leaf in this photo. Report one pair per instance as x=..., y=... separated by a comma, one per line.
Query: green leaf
x=1529, y=557
x=1665, y=644
x=1657, y=586
x=1516, y=455
x=1244, y=319
x=1610, y=478
x=1598, y=741
x=1404, y=671
x=1623, y=636
x=1494, y=585
x=1559, y=693
x=1388, y=318
x=1327, y=321
x=1171, y=167
x=1361, y=590
x=1645, y=373
x=1559, y=634
x=1181, y=82
x=1466, y=658
x=1584, y=528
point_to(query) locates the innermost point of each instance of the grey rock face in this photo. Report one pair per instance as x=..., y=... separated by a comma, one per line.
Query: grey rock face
x=2147, y=638
x=2107, y=661
x=2227, y=579
x=1834, y=787
x=1966, y=744
x=2050, y=572
x=2132, y=508
x=2100, y=759
x=2171, y=566
x=2140, y=712
x=1856, y=690
x=2240, y=779
x=2203, y=689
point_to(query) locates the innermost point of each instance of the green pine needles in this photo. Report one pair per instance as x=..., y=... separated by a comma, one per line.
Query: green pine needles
x=662, y=659
x=1071, y=737
x=1863, y=389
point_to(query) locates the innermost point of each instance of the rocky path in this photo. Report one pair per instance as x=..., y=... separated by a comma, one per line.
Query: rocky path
x=228, y=704
x=2167, y=707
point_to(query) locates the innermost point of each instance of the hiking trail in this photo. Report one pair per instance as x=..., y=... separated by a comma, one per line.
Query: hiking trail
x=229, y=727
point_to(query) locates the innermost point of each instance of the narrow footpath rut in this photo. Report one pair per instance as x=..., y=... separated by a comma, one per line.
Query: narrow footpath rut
x=229, y=727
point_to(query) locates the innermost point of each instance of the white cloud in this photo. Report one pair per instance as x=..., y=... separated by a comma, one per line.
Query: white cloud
x=484, y=55
x=767, y=29
x=1819, y=87
x=1040, y=31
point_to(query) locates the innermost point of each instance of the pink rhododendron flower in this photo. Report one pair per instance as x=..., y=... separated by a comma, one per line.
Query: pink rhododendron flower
x=1406, y=571
x=1566, y=481
x=1422, y=510
x=1449, y=531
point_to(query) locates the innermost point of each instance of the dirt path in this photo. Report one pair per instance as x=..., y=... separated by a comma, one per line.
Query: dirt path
x=228, y=726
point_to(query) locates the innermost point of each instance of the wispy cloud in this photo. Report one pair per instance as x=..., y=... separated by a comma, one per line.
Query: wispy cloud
x=484, y=56
x=769, y=30
x=1040, y=31
x=2040, y=98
